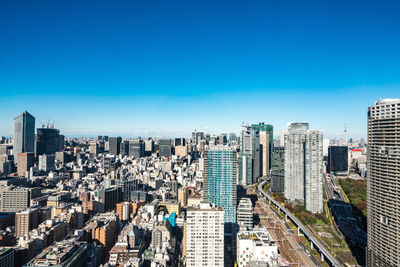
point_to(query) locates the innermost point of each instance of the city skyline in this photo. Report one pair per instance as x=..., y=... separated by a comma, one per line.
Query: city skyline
x=133, y=70
x=170, y=133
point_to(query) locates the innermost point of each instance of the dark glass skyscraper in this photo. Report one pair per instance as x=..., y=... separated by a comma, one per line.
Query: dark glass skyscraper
x=165, y=148
x=24, y=134
x=115, y=145
x=338, y=160
x=47, y=141
x=136, y=149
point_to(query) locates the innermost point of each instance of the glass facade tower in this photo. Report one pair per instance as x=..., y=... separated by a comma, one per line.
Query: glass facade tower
x=24, y=134
x=220, y=174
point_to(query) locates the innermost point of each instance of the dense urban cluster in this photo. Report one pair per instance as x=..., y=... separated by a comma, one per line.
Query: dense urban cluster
x=112, y=201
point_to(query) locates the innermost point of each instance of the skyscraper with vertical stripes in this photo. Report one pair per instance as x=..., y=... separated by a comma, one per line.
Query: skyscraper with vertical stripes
x=383, y=183
x=303, y=166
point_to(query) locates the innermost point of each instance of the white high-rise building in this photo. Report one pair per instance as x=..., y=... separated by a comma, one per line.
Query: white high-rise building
x=204, y=234
x=325, y=147
x=303, y=166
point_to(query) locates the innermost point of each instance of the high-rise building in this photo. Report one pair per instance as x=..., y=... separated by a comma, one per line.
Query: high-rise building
x=338, y=162
x=94, y=148
x=165, y=148
x=124, y=148
x=24, y=134
x=25, y=162
x=148, y=147
x=303, y=166
x=46, y=162
x=136, y=149
x=26, y=220
x=278, y=169
x=232, y=138
x=197, y=136
x=115, y=145
x=220, y=179
x=47, y=141
x=266, y=142
x=204, y=236
x=223, y=139
x=265, y=153
x=249, y=156
x=245, y=214
x=179, y=141
x=383, y=183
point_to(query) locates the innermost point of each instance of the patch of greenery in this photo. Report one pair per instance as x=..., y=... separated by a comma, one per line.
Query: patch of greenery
x=356, y=191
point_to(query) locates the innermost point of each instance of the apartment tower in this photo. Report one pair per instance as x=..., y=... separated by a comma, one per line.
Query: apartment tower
x=383, y=183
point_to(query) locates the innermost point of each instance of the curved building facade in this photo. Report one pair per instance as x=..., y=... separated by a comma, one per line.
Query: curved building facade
x=383, y=183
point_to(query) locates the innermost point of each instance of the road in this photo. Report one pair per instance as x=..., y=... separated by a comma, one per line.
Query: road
x=333, y=190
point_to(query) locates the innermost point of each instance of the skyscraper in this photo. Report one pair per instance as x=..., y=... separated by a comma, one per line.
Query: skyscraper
x=136, y=149
x=232, y=138
x=266, y=142
x=115, y=145
x=165, y=148
x=124, y=150
x=179, y=141
x=338, y=160
x=47, y=141
x=278, y=169
x=383, y=183
x=249, y=156
x=204, y=236
x=220, y=179
x=24, y=134
x=303, y=166
x=197, y=136
x=46, y=162
x=148, y=147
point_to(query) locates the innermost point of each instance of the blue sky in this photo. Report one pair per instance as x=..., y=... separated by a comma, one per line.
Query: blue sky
x=166, y=68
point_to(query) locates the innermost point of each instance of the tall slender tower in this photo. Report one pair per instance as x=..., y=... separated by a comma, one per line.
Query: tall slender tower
x=24, y=134
x=303, y=166
x=249, y=156
x=220, y=180
x=383, y=183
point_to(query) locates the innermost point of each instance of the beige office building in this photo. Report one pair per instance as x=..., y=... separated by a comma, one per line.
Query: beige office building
x=264, y=142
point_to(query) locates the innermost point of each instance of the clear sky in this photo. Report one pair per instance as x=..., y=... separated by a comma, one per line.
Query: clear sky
x=166, y=67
